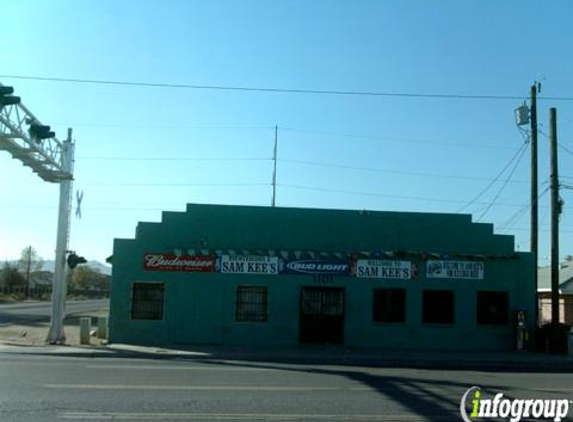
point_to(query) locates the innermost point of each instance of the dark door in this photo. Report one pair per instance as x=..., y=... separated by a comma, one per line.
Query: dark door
x=321, y=315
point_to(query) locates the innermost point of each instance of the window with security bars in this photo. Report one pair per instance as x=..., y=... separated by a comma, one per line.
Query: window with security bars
x=492, y=308
x=389, y=305
x=438, y=307
x=147, y=301
x=251, y=304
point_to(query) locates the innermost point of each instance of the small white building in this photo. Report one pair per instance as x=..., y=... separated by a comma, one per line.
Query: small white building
x=565, y=292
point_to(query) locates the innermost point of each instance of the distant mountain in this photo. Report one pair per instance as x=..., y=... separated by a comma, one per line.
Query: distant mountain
x=96, y=265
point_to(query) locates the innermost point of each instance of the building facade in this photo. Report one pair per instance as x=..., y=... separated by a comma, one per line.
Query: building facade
x=241, y=275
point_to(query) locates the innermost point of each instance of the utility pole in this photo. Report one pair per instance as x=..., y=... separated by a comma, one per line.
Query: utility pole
x=275, y=168
x=534, y=189
x=555, y=211
x=534, y=181
x=59, y=288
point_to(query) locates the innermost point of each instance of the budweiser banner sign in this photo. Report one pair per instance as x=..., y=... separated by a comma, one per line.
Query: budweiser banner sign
x=373, y=268
x=249, y=264
x=469, y=270
x=184, y=263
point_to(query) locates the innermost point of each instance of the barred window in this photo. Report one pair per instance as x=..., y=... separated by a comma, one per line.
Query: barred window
x=389, y=305
x=147, y=301
x=492, y=308
x=251, y=304
x=438, y=307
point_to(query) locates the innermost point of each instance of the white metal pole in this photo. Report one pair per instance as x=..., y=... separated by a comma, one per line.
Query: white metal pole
x=274, y=183
x=59, y=288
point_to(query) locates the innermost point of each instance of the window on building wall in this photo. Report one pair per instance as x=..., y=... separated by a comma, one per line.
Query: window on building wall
x=492, y=308
x=251, y=304
x=438, y=307
x=147, y=301
x=389, y=305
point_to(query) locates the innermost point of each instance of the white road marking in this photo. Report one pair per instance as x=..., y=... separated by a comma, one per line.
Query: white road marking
x=200, y=387
x=182, y=368
x=239, y=416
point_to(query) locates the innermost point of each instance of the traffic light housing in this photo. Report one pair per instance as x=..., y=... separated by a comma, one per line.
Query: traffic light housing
x=39, y=132
x=74, y=260
x=6, y=97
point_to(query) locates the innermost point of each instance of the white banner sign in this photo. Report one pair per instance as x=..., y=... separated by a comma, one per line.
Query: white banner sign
x=249, y=264
x=373, y=268
x=469, y=270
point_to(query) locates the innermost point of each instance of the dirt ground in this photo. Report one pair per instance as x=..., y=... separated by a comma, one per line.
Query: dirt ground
x=35, y=333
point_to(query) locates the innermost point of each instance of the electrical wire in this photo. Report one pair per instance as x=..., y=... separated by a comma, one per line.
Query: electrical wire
x=521, y=150
x=383, y=170
x=108, y=158
x=380, y=195
x=509, y=223
x=393, y=139
x=502, y=188
x=280, y=90
x=564, y=148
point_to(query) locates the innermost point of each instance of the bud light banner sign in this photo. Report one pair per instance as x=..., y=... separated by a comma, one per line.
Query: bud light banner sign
x=315, y=266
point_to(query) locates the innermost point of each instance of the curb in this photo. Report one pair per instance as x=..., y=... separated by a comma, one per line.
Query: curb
x=522, y=363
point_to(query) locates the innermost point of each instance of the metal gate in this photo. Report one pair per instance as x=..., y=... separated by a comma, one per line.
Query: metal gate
x=321, y=315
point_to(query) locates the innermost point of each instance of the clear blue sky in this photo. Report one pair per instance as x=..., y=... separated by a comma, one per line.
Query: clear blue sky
x=430, y=154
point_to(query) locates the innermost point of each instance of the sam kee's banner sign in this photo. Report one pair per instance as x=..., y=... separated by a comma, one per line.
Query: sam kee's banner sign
x=184, y=263
x=373, y=268
x=249, y=264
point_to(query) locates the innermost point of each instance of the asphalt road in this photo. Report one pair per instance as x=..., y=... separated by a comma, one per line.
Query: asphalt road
x=43, y=388
x=40, y=311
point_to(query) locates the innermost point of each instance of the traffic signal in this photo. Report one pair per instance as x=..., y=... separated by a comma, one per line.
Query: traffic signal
x=6, y=97
x=39, y=132
x=74, y=260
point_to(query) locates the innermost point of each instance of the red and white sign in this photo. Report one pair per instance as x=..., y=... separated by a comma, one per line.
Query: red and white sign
x=185, y=263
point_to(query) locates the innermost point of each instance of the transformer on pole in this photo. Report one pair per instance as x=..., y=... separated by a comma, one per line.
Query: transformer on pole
x=36, y=146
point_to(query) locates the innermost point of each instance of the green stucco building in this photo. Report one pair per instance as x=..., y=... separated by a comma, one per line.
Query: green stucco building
x=243, y=275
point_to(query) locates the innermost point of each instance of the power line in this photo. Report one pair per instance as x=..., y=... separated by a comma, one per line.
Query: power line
x=382, y=170
x=564, y=148
x=521, y=150
x=174, y=185
x=108, y=158
x=501, y=189
x=509, y=223
x=393, y=139
x=280, y=90
x=375, y=194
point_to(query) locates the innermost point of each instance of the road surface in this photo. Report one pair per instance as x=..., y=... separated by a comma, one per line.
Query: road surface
x=37, y=388
x=21, y=312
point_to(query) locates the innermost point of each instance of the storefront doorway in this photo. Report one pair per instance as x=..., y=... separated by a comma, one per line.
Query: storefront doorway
x=321, y=315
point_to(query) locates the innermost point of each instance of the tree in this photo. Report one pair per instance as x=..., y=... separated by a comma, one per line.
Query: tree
x=86, y=278
x=11, y=277
x=29, y=261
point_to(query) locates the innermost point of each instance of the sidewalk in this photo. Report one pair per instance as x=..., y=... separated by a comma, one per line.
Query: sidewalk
x=30, y=339
x=35, y=333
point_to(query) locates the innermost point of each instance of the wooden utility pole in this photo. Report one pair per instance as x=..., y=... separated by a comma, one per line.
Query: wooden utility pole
x=534, y=189
x=534, y=181
x=555, y=211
